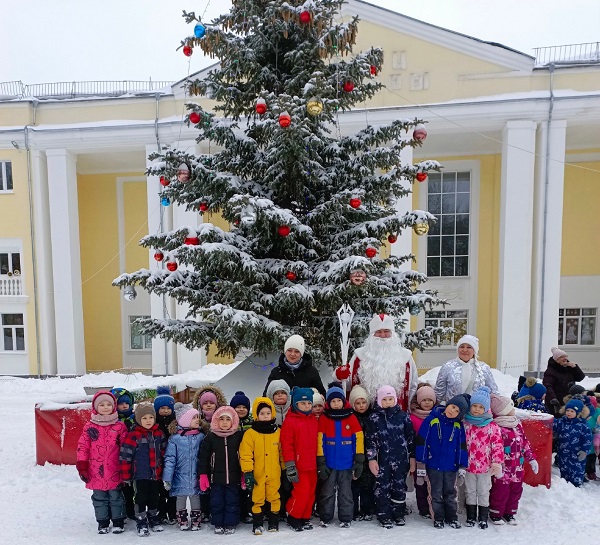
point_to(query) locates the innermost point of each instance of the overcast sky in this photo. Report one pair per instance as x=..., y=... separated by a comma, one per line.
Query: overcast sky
x=75, y=40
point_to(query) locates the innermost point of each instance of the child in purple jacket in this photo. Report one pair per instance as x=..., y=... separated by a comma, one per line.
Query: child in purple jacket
x=98, y=462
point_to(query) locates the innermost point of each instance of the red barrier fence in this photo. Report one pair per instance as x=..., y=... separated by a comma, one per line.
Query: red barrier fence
x=57, y=430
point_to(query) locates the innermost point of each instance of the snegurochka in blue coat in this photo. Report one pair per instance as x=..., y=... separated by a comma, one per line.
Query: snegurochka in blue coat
x=180, y=473
x=442, y=447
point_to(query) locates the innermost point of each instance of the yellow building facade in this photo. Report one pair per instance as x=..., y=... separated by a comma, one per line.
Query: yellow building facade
x=513, y=251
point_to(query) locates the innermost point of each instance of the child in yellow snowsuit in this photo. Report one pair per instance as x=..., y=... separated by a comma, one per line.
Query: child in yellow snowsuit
x=261, y=461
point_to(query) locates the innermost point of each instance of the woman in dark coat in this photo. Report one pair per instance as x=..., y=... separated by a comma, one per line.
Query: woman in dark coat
x=559, y=376
x=296, y=367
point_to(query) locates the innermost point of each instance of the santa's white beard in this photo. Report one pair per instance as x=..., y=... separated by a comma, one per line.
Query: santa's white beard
x=382, y=361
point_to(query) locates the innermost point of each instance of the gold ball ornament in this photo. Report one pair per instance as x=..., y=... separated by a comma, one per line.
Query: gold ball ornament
x=314, y=106
x=421, y=228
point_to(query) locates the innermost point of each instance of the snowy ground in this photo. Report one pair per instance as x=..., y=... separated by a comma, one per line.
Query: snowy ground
x=50, y=504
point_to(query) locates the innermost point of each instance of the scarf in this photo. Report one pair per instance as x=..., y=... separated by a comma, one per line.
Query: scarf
x=225, y=433
x=507, y=421
x=104, y=419
x=421, y=414
x=207, y=414
x=338, y=414
x=292, y=366
x=188, y=431
x=479, y=421
x=264, y=426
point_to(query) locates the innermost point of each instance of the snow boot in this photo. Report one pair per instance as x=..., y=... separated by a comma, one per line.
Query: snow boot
x=344, y=525
x=510, y=519
x=141, y=522
x=483, y=517
x=182, y=519
x=307, y=524
x=219, y=530
x=273, y=522
x=295, y=524
x=387, y=523
x=499, y=521
x=103, y=526
x=439, y=524
x=195, y=519
x=229, y=530
x=471, y=516
x=118, y=526
x=154, y=520
x=455, y=524
x=257, y=524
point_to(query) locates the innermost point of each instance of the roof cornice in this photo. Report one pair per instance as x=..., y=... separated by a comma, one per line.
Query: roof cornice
x=496, y=54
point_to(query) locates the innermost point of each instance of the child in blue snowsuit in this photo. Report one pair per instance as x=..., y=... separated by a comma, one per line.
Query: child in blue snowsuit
x=441, y=445
x=390, y=445
x=574, y=440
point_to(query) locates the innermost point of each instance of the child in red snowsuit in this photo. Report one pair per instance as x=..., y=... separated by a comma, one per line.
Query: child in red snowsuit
x=299, y=447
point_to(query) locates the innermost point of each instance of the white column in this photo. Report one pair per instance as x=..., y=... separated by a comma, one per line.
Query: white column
x=549, y=190
x=403, y=246
x=187, y=360
x=161, y=360
x=516, y=234
x=43, y=257
x=66, y=262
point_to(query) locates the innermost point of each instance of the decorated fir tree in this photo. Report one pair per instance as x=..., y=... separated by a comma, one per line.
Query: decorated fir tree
x=307, y=206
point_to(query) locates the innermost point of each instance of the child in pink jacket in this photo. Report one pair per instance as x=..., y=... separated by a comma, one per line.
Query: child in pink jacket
x=98, y=462
x=484, y=444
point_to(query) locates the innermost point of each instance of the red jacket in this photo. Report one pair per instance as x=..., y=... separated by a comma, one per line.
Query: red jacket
x=299, y=440
x=142, y=453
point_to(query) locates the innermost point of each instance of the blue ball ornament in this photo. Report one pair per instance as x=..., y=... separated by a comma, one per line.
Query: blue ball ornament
x=165, y=201
x=199, y=30
x=414, y=311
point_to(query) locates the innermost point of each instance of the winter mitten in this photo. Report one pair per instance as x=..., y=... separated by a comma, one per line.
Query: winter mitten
x=421, y=474
x=167, y=485
x=581, y=455
x=374, y=467
x=249, y=480
x=555, y=405
x=357, y=468
x=497, y=471
x=322, y=469
x=461, y=473
x=343, y=372
x=534, y=466
x=204, y=482
x=291, y=472
x=83, y=470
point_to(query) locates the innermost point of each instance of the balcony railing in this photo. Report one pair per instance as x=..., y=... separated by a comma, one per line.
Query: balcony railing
x=10, y=286
x=565, y=54
x=73, y=89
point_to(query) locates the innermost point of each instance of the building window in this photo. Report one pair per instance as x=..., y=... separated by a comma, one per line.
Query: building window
x=10, y=263
x=137, y=339
x=577, y=326
x=13, y=332
x=6, y=180
x=448, y=198
x=456, y=319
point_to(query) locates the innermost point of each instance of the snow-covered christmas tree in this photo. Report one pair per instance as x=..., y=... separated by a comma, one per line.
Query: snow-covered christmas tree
x=307, y=206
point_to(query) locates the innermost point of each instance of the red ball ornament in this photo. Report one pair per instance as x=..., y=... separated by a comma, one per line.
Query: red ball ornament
x=158, y=255
x=164, y=181
x=203, y=207
x=370, y=252
x=392, y=239
x=261, y=106
x=290, y=275
x=284, y=230
x=172, y=265
x=285, y=120
x=305, y=17
x=420, y=133
x=349, y=86
x=194, y=117
x=187, y=50
x=191, y=241
x=373, y=70
x=355, y=202
x=421, y=176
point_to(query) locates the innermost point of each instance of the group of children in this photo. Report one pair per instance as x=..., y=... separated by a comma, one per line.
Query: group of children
x=294, y=453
